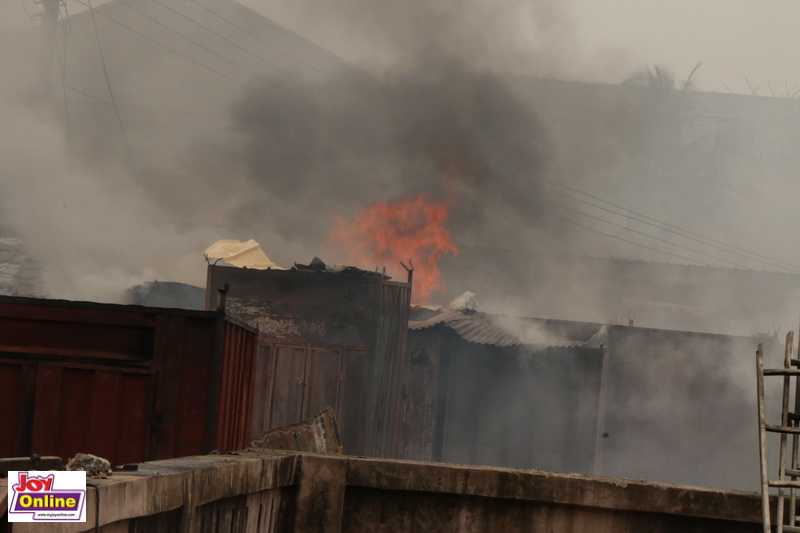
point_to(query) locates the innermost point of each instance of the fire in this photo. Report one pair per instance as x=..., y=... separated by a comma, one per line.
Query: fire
x=386, y=233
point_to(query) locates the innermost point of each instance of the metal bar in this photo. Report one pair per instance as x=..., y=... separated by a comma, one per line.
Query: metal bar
x=793, y=418
x=786, y=430
x=787, y=357
x=762, y=440
x=788, y=372
x=784, y=483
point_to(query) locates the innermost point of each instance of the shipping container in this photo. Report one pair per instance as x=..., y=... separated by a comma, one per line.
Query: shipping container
x=127, y=383
x=326, y=339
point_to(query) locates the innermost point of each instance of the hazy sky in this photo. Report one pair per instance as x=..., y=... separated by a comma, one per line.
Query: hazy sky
x=603, y=41
x=606, y=41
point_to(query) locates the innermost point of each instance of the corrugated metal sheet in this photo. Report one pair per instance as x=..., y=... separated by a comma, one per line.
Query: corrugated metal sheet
x=234, y=427
x=497, y=330
x=127, y=383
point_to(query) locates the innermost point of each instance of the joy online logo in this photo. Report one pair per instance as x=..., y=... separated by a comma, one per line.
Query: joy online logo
x=35, y=498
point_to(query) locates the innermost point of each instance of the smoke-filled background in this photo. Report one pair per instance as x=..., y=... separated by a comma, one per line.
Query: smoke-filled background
x=137, y=136
x=561, y=159
x=161, y=132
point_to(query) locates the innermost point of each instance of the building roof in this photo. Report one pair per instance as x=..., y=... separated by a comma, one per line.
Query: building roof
x=504, y=331
x=19, y=274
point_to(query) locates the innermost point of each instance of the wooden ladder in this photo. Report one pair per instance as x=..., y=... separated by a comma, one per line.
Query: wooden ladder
x=788, y=476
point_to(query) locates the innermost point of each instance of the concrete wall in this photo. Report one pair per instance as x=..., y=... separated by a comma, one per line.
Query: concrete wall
x=274, y=492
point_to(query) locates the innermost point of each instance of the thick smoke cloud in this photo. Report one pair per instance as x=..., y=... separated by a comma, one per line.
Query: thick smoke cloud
x=448, y=132
x=447, y=100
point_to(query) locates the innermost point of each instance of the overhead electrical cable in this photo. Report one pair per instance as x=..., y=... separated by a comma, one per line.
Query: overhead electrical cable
x=253, y=35
x=110, y=90
x=646, y=235
x=589, y=228
x=140, y=34
x=158, y=124
x=273, y=81
x=751, y=255
x=258, y=38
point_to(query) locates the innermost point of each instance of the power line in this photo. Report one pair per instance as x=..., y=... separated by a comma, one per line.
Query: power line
x=158, y=124
x=273, y=81
x=689, y=237
x=176, y=32
x=110, y=91
x=624, y=240
x=112, y=19
x=237, y=45
x=750, y=255
x=289, y=72
x=646, y=235
x=256, y=37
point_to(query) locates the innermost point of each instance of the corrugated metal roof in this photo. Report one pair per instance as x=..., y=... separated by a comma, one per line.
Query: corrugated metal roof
x=496, y=330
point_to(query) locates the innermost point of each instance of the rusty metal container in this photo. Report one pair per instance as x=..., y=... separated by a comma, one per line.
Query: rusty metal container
x=128, y=383
x=325, y=339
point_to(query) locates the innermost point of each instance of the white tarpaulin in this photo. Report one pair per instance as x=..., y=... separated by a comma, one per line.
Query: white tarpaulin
x=241, y=254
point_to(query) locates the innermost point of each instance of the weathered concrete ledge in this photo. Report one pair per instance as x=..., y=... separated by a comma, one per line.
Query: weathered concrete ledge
x=552, y=487
x=269, y=491
x=159, y=487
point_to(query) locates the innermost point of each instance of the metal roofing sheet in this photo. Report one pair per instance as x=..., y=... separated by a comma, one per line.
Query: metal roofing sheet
x=497, y=330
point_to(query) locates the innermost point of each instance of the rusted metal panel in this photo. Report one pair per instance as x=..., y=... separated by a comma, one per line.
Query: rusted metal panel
x=236, y=390
x=80, y=409
x=144, y=386
x=17, y=387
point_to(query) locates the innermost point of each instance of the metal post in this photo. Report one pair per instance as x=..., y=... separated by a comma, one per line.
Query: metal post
x=762, y=439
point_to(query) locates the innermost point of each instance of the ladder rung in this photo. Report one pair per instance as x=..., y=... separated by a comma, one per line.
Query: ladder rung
x=782, y=429
x=795, y=362
x=794, y=417
x=782, y=371
x=791, y=529
x=784, y=484
x=792, y=472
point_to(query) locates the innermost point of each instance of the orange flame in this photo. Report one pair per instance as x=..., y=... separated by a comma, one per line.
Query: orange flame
x=386, y=233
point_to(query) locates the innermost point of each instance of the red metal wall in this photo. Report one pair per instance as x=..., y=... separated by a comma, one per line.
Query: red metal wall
x=127, y=383
x=236, y=387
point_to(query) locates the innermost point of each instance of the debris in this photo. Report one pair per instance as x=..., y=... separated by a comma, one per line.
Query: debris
x=241, y=254
x=318, y=265
x=95, y=467
x=318, y=434
x=467, y=301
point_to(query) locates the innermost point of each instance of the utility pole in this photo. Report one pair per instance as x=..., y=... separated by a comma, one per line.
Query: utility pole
x=49, y=34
